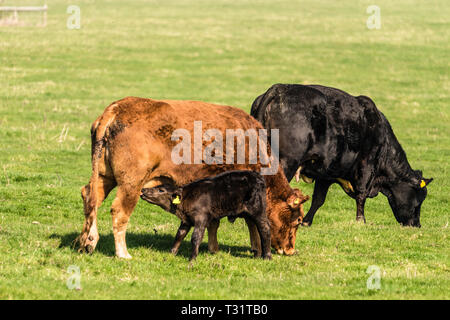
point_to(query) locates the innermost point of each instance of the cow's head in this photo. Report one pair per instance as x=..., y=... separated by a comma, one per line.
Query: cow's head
x=165, y=196
x=406, y=198
x=285, y=217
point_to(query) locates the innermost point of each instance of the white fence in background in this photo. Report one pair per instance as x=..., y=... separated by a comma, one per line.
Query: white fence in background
x=11, y=14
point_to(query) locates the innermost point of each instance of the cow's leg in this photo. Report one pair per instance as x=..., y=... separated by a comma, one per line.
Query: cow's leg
x=183, y=230
x=363, y=179
x=88, y=238
x=197, y=236
x=320, y=193
x=263, y=226
x=360, y=202
x=121, y=209
x=213, y=245
x=255, y=240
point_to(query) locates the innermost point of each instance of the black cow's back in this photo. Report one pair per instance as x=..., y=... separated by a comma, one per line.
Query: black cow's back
x=331, y=136
x=322, y=128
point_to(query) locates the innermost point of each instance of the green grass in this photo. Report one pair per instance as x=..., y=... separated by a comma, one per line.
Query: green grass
x=54, y=79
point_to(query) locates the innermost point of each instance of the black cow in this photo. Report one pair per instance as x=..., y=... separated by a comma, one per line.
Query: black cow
x=231, y=194
x=330, y=136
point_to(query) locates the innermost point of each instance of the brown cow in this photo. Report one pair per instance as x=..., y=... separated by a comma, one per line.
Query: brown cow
x=131, y=149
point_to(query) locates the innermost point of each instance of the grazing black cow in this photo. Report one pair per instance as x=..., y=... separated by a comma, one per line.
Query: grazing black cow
x=231, y=194
x=329, y=136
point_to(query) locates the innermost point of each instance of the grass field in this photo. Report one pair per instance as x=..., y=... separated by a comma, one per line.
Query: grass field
x=55, y=81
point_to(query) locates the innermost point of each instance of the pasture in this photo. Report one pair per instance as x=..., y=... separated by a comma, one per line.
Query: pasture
x=55, y=81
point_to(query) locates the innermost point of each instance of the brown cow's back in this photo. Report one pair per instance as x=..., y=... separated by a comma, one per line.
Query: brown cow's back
x=147, y=125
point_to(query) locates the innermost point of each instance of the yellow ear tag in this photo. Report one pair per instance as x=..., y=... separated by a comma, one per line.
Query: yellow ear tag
x=297, y=201
x=176, y=200
x=422, y=183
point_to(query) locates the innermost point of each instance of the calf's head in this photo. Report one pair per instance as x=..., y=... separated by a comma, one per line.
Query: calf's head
x=285, y=217
x=406, y=198
x=165, y=196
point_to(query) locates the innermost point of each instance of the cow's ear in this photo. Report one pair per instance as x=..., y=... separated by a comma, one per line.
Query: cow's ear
x=425, y=182
x=305, y=198
x=295, y=200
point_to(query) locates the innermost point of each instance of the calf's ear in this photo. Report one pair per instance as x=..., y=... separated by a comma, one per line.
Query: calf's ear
x=177, y=193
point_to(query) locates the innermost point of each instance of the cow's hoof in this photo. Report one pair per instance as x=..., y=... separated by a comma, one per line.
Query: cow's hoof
x=89, y=249
x=268, y=256
x=256, y=253
x=361, y=219
x=213, y=250
x=306, y=223
x=87, y=243
x=125, y=256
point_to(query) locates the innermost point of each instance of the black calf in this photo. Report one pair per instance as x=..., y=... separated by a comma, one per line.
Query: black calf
x=231, y=194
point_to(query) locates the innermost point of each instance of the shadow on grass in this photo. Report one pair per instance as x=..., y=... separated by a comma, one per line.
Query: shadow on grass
x=159, y=242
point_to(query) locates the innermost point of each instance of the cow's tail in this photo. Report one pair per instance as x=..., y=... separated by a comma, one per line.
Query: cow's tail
x=256, y=106
x=259, y=106
x=99, y=131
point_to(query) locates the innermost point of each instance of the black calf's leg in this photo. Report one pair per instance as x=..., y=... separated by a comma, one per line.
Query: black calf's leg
x=320, y=193
x=360, y=201
x=197, y=237
x=255, y=239
x=183, y=230
x=262, y=223
x=213, y=245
